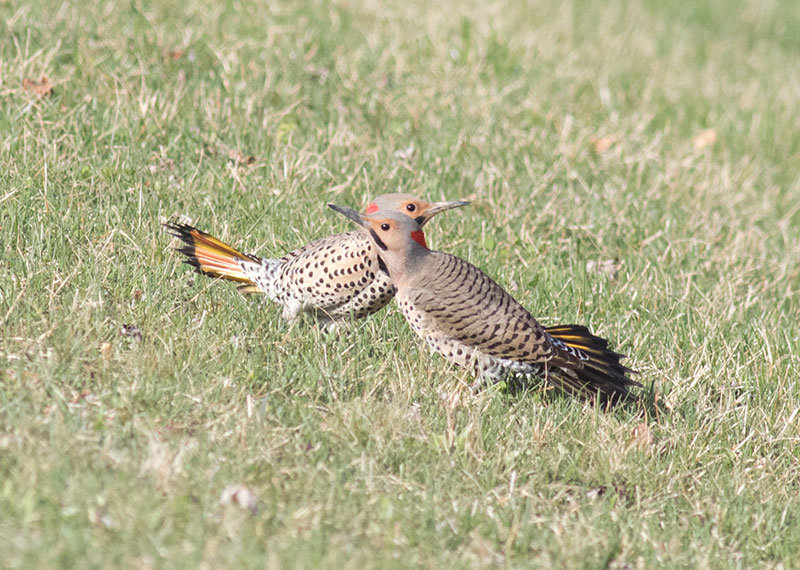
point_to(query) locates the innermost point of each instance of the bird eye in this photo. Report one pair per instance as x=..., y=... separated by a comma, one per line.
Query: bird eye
x=411, y=207
x=385, y=227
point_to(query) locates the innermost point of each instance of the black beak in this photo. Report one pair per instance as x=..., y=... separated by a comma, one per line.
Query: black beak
x=350, y=213
x=438, y=207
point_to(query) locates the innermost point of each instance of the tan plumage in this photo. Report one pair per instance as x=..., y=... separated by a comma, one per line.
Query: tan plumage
x=473, y=322
x=332, y=278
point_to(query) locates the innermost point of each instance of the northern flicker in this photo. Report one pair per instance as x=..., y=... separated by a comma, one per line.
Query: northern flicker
x=334, y=277
x=471, y=321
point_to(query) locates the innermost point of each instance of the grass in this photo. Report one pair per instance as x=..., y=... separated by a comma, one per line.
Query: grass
x=660, y=134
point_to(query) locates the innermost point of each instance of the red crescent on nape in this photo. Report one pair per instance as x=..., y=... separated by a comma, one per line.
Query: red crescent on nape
x=372, y=208
x=419, y=237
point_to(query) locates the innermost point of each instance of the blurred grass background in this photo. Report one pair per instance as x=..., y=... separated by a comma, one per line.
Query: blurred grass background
x=660, y=140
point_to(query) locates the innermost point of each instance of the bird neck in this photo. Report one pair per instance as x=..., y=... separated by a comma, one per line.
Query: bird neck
x=404, y=266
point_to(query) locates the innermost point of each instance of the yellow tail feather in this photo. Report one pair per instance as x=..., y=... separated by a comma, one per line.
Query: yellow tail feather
x=603, y=370
x=212, y=257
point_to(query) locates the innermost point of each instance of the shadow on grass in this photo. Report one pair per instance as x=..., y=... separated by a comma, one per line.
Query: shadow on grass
x=645, y=402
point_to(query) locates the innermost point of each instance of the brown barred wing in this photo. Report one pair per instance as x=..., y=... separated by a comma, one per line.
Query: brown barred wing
x=461, y=302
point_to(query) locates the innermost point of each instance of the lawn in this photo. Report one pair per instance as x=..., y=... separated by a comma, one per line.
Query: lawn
x=633, y=166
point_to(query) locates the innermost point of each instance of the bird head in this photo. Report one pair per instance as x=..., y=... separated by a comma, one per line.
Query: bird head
x=398, y=238
x=413, y=207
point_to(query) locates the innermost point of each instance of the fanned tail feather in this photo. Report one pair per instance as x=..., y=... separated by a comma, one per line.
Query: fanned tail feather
x=602, y=371
x=213, y=257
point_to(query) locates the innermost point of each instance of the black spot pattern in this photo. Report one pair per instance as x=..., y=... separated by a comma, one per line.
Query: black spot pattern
x=335, y=277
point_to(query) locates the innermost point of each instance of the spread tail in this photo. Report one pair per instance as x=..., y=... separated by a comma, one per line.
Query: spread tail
x=601, y=372
x=214, y=258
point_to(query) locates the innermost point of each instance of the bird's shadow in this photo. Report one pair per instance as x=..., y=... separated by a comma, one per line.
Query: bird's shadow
x=646, y=402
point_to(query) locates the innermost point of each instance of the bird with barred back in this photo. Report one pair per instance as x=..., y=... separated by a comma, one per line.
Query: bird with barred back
x=333, y=278
x=471, y=321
